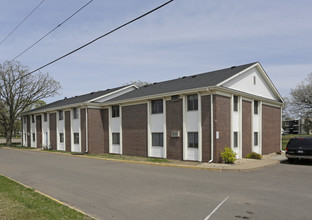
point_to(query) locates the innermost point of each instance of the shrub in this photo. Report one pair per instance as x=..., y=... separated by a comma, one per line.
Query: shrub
x=254, y=155
x=228, y=156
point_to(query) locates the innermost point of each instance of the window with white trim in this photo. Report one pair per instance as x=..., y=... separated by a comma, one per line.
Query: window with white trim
x=45, y=117
x=256, y=107
x=75, y=113
x=192, y=139
x=76, y=138
x=34, y=137
x=115, y=111
x=256, y=136
x=61, y=137
x=157, y=139
x=235, y=103
x=157, y=106
x=192, y=102
x=116, y=138
x=60, y=112
x=235, y=139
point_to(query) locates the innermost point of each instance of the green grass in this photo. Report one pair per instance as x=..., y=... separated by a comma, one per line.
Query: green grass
x=157, y=160
x=286, y=138
x=125, y=157
x=19, y=202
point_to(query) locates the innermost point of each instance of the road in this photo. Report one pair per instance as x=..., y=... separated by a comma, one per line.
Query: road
x=116, y=190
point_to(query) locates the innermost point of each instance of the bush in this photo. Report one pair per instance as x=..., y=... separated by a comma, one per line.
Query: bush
x=254, y=155
x=228, y=156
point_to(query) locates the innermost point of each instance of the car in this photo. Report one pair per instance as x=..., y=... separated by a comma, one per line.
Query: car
x=299, y=148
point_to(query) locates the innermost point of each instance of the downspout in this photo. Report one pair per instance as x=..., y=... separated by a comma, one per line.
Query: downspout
x=211, y=126
x=87, y=145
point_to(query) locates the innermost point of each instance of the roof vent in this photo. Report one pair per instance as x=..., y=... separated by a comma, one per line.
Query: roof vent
x=65, y=98
x=91, y=93
x=183, y=77
x=154, y=83
x=232, y=67
x=145, y=85
x=194, y=76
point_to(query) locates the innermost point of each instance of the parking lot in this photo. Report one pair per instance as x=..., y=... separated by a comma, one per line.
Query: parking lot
x=116, y=190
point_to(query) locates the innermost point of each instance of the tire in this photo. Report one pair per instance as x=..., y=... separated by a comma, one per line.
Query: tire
x=291, y=160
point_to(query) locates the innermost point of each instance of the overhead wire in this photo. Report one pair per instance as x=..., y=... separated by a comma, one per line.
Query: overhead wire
x=110, y=32
x=17, y=26
x=52, y=30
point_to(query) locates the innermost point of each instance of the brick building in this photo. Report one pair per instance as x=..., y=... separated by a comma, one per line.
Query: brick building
x=190, y=118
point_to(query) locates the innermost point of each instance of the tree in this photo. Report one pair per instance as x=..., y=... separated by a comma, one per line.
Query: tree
x=301, y=98
x=19, y=90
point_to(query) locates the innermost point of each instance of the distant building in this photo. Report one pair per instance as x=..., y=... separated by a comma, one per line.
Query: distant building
x=294, y=126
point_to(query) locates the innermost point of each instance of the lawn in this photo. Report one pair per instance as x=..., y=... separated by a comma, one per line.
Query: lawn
x=19, y=202
x=286, y=138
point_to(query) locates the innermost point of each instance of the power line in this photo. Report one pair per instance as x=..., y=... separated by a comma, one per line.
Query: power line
x=52, y=30
x=21, y=22
x=121, y=26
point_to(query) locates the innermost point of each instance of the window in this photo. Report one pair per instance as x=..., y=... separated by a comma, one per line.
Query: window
x=32, y=118
x=254, y=80
x=34, y=137
x=60, y=114
x=45, y=117
x=255, y=138
x=256, y=107
x=192, y=102
x=62, y=138
x=235, y=103
x=157, y=106
x=157, y=139
x=25, y=120
x=235, y=136
x=115, y=111
x=76, y=138
x=116, y=138
x=75, y=113
x=192, y=138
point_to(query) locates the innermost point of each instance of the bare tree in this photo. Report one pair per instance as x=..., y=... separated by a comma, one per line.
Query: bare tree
x=301, y=98
x=19, y=90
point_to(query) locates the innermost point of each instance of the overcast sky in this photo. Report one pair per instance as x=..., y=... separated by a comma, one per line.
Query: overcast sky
x=183, y=38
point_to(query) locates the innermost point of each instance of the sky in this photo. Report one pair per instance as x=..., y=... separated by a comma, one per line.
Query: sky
x=183, y=38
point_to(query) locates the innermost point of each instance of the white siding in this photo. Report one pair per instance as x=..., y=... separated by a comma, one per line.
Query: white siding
x=45, y=132
x=115, y=127
x=32, y=132
x=60, y=127
x=75, y=128
x=245, y=83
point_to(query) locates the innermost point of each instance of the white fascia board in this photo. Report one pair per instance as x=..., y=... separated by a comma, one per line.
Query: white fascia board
x=64, y=107
x=263, y=74
x=216, y=89
x=119, y=90
x=159, y=95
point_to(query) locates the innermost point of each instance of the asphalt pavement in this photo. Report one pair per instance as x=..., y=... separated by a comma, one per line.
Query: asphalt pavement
x=118, y=190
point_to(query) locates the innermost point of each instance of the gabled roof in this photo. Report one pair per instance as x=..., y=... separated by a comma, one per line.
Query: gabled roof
x=185, y=83
x=76, y=100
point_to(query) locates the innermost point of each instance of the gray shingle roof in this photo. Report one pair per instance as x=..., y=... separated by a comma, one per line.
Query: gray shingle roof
x=75, y=100
x=185, y=83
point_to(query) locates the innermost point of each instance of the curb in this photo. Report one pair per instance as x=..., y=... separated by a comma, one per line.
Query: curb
x=155, y=164
x=49, y=197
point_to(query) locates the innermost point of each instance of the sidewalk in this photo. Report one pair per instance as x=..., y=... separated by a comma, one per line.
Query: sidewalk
x=240, y=165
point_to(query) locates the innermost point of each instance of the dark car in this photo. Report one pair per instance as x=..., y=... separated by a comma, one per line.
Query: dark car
x=299, y=148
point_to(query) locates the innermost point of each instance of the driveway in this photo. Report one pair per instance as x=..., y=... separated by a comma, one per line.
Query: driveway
x=116, y=190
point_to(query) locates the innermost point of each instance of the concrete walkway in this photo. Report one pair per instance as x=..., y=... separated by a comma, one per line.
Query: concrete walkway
x=240, y=165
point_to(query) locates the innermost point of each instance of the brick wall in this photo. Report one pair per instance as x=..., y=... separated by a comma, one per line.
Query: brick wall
x=106, y=134
x=174, y=121
x=271, y=129
x=53, y=130
x=83, y=129
x=28, y=130
x=206, y=128
x=39, y=131
x=246, y=128
x=67, y=132
x=96, y=131
x=222, y=124
x=134, y=130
